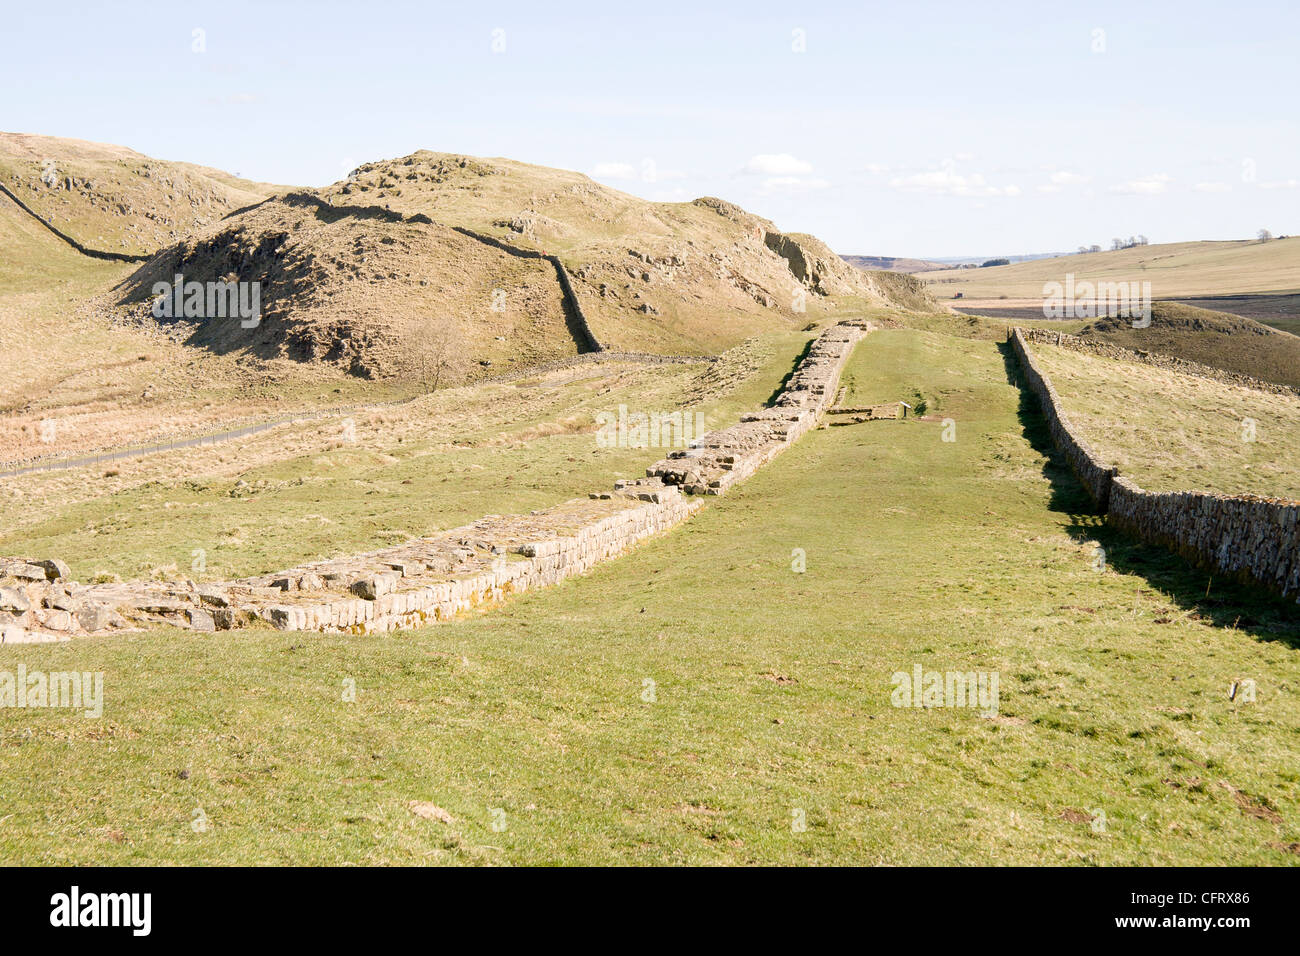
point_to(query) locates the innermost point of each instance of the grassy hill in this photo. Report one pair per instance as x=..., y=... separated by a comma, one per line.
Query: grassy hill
x=399, y=269
x=692, y=701
x=1173, y=432
x=665, y=277
x=114, y=199
x=1211, y=338
x=371, y=292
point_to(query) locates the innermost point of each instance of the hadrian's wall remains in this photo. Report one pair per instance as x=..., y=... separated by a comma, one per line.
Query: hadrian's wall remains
x=441, y=576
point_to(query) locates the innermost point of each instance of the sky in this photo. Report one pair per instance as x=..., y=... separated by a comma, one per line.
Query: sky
x=898, y=128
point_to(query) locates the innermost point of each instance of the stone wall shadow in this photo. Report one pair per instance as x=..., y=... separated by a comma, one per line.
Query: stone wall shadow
x=1218, y=601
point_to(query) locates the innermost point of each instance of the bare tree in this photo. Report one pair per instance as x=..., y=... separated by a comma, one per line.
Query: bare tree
x=1265, y=235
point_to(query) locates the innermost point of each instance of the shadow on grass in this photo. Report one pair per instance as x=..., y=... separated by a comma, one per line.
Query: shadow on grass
x=1223, y=603
x=794, y=367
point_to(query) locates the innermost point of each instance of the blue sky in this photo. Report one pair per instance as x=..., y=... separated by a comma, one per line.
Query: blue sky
x=906, y=129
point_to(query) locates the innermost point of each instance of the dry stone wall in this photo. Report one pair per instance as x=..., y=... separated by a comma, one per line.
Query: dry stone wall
x=1246, y=537
x=441, y=576
x=84, y=250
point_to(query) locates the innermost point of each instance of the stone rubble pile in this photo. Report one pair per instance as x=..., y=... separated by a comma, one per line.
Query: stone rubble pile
x=443, y=575
x=721, y=458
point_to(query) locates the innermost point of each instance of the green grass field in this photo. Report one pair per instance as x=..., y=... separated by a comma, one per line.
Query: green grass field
x=1114, y=742
x=444, y=461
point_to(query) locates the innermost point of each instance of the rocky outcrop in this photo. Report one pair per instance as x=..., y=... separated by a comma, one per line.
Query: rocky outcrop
x=814, y=265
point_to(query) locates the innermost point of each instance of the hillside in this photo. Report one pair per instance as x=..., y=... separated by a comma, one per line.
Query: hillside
x=686, y=277
x=431, y=261
x=366, y=291
x=115, y=199
x=1211, y=338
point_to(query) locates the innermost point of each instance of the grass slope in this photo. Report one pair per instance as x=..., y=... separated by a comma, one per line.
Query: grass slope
x=299, y=492
x=1173, y=432
x=114, y=199
x=771, y=689
x=1212, y=338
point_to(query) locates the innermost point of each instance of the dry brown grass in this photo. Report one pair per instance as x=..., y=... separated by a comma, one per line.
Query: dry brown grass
x=114, y=199
x=1175, y=270
x=1174, y=432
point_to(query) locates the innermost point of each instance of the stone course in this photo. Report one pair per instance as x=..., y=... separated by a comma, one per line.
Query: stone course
x=447, y=574
x=718, y=460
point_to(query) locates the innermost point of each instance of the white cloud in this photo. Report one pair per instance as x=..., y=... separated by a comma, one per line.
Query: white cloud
x=1152, y=185
x=793, y=183
x=1212, y=188
x=948, y=182
x=1281, y=184
x=777, y=164
x=876, y=168
x=1048, y=189
x=1063, y=177
x=614, y=171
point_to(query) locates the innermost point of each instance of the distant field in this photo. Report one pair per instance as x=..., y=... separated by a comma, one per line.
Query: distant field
x=893, y=264
x=1172, y=432
x=1281, y=311
x=1179, y=270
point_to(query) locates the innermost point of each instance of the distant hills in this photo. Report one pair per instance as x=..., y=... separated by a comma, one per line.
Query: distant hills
x=904, y=264
x=894, y=264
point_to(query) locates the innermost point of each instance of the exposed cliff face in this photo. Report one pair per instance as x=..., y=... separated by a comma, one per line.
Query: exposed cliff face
x=814, y=264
